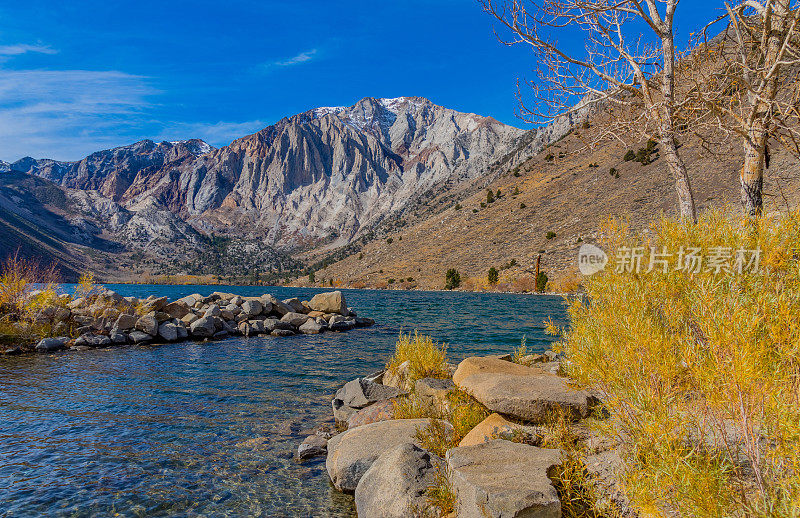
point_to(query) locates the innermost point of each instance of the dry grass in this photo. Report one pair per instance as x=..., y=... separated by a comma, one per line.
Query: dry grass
x=702, y=370
x=440, y=497
x=426, y=358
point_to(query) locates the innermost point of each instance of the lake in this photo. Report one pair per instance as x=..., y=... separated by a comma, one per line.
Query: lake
x=210, y=429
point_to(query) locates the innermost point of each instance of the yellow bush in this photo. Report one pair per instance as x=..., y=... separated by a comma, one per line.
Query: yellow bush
x=701, y=369
x=426, y=358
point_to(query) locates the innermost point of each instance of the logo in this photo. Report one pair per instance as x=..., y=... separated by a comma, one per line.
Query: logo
x=591, y=259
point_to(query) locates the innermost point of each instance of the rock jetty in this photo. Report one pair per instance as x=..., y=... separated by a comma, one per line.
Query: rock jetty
x=108, y=319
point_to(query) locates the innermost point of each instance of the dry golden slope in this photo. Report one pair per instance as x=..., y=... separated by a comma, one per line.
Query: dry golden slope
x=565, y=196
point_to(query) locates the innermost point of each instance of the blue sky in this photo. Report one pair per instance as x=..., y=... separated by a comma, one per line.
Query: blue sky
x=80, y=76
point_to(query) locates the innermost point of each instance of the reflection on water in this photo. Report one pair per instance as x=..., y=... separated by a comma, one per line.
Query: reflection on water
x=210, y=429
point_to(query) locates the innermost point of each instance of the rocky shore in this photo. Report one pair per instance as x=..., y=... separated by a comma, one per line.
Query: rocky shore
x=107, y=319
x=505, y=466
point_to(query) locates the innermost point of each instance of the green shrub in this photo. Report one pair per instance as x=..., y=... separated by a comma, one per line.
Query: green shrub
x=549, y=157
x=489, y=197
x=452, y=279
x=311, y=278
x=391, y=281
x=389, y=241
x=550, y=234
x=522, y=205
x=493, y=275
x=629, y=156
x=541, y=282
x=458, y=206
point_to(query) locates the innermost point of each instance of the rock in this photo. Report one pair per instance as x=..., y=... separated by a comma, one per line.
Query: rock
x=168, y=331
x=493, y=427
x=252, y=308
x=183, y=333
x=271, y=324
x=295, y=319
x=226, y=315
x=350, y=454
x=219, y=335
x=397, y=378
x=212, y=311
x=139, y=337
x=233, y=309
x=52, y=344
x=433, y=390
x=364, y=322
x=189, y=319
x=203, y=327
x=147, y=324
x=395, y=485
x=61, y=315
x=160, y=316
x=315, y=314
x=190, y=300
x=296, y=305
x=257, y=327
x=487, y=365
x=312, y=446
x=347, y=325
x=526, y=393
x=155, y=304
x=501, y=478
x=237, y=301
x=357, y=394
x=335, y=318
x=282, y=332
x=311, y=327
x=276, y=305
x=330, y=302
x=92, y=340
x=77, y=303
x=12, y=351
x=125, y=322
x=380, y=411
x=118, y=338
x=176, y=309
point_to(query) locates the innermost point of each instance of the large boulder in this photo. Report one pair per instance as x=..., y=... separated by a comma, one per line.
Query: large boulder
x=395, y=485
x=434, y=391
x=176, y=309
x=380, y=411
x=330, y=302
x=203, y=327
x=252, y=308
x=357, y=394
x=168, y=331
x=52, y=344
x=500, y=478
x=126, y=322
x=276, y=305
x=351, y=454
x=311, y=327
x=140, y=337
x=296, y=305
x=526, y=393
x=494, y=427
x=147, y=324
x=294, y=318
x=92, y=340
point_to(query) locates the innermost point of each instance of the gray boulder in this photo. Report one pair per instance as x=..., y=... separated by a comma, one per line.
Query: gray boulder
x=168, y=331
x=357, y=394
x=139, y=337
x=345, y=325
x=330, y=302
x=364, y=322
x=252, y=308
x=203, y=327
x=125, y=322
x=312, y=446
x=352, y=453
x=52, y=344
x=212, y=311
x=118, y=338
x=311, y=327
x=92, y=340
x=147, y=324
x=176, y=309
x=275, y=305
x=282, y=332
x=296, y=305
x=271, y=324
x=395, y=485
x=295, y=319
x=501, y=478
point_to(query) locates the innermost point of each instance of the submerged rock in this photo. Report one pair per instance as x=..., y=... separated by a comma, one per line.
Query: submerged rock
x=312, y=446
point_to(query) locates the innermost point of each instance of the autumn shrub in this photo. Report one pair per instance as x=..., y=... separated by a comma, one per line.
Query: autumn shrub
x=426, y=358
x=700, y=368
x=440, y=496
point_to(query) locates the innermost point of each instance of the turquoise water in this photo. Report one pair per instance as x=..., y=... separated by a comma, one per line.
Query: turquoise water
x=210, y=429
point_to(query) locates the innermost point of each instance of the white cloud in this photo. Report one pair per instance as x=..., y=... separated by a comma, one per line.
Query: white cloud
x=303, y=57
x=23, y=48
x=67, y=114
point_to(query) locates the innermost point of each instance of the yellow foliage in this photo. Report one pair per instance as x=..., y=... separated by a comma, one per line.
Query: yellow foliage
x=426, y=358
x=701, y=370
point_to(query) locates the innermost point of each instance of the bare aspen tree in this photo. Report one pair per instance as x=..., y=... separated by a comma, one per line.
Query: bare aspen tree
x=741, y=82
x=626, y=66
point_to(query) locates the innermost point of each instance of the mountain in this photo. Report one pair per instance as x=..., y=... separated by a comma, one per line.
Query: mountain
x=325, y=174
x=319, y=179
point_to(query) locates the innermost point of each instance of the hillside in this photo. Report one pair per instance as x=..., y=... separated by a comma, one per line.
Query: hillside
x=566, y=195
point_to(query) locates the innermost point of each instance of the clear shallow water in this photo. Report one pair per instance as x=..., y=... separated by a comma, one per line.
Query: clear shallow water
x=210, y=429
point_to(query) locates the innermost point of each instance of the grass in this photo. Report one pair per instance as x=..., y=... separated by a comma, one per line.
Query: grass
x=701, y=370
x=426, y=359
x=440, y=497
